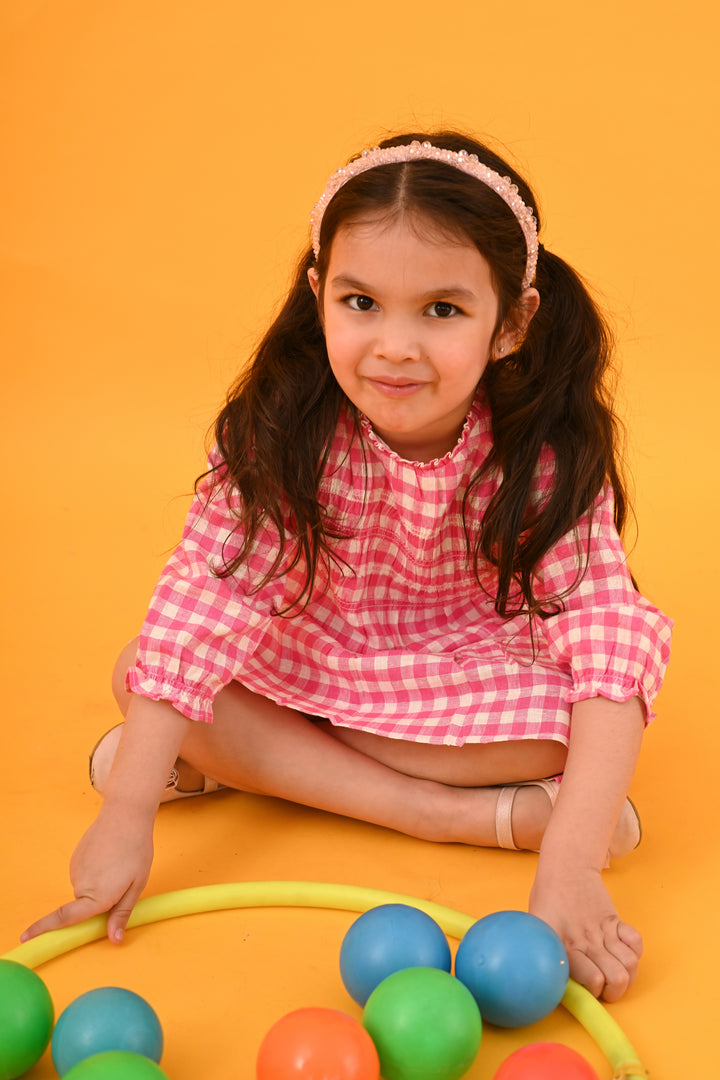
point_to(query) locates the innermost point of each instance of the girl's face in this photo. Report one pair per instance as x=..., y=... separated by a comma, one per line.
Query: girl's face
x=409, y=324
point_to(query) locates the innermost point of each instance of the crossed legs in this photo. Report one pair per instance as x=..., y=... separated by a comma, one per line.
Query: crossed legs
x=432, y=792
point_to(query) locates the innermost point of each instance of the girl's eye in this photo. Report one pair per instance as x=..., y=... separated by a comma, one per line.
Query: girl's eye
x=441, y=309
x=361, y=303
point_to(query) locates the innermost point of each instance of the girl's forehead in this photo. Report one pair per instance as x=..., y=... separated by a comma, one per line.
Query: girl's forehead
x=403, y=226
x=384, y=254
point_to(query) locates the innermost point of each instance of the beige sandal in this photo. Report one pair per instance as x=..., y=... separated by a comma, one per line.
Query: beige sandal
x=627, y=835
x=102, y=757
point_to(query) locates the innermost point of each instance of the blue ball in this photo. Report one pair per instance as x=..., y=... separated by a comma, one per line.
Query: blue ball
x=387, y=939
x=105, y=1019
x=515, y=966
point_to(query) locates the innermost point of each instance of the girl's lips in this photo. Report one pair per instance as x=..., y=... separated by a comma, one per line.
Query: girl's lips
x=395, y=389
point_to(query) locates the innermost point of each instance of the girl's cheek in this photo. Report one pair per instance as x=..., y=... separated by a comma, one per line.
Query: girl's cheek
x=345, y=339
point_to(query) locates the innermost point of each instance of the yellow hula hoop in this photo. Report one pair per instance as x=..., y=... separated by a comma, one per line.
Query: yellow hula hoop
x=248, y=894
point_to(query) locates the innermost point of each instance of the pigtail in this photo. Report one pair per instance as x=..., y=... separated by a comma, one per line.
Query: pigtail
x=273, y=437
x=549, y=393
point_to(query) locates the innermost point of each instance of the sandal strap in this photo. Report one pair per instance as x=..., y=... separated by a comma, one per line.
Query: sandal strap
x=503, y=817
x=504, y=807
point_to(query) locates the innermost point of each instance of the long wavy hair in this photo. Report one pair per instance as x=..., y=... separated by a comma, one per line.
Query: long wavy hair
x=276, y=428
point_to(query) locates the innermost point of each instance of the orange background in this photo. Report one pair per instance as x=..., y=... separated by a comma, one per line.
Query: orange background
x=160, y=163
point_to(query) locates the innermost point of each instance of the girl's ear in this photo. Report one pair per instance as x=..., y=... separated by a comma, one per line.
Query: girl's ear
x=314, y=279
x=515, y=326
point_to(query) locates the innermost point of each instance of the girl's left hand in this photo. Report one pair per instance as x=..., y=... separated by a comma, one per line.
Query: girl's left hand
x=604, y=952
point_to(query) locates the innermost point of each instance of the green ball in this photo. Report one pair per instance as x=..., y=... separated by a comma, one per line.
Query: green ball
x=425, y=1025
x=26, y=1019
x=115, y=1065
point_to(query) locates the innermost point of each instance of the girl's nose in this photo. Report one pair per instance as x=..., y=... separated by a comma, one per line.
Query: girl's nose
x=398, y=341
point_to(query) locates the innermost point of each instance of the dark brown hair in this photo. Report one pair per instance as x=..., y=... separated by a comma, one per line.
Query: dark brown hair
x=276, y=428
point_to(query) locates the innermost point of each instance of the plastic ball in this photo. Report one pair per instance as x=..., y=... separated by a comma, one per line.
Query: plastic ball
x=26, y=1019
x=515, y=966
x=116, y=1065
x=108, y=1018
x=425, y=1025
x=545, y=1061
x=317, y=1044
x=386, y=939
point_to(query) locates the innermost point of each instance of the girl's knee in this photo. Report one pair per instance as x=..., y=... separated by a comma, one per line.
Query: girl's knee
x=125, y=660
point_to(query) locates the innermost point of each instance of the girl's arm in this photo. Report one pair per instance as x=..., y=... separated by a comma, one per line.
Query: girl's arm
x=568, y=892
x=111, y=864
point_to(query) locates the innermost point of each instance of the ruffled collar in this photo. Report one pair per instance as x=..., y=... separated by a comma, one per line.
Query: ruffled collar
x=477, y=414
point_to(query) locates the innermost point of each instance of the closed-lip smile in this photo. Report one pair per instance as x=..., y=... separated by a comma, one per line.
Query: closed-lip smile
x=394, y=385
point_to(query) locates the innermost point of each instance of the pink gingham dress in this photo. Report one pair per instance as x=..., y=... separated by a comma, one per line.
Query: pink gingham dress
x=402, y=641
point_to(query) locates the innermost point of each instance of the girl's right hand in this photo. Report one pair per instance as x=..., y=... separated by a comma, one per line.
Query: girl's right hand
x=108, y=870
x=111, y=864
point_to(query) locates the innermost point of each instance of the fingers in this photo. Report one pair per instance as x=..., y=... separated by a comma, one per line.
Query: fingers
x=119, y=915
x=603, y=975
x=78, y=911
x=631, y=937
x=608, y=964
x=67, y=915
x=85, y=908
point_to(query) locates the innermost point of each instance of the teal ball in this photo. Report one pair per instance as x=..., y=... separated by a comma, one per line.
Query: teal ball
x=109, y=1018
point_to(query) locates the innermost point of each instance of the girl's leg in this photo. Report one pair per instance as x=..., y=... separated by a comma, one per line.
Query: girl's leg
x=432, y=792
x=472, y=765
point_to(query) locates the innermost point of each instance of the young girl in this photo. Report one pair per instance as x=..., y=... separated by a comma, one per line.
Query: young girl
x=400, y=594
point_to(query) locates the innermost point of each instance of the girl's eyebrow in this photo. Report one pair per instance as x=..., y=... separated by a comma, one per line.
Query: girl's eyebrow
x=457, y=292
x=344, y=282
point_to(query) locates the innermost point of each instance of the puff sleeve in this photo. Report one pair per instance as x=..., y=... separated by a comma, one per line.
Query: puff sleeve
x=199, y=631
x=609, y=639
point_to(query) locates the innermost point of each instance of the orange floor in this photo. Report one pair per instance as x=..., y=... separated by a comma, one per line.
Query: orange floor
x=160, y=163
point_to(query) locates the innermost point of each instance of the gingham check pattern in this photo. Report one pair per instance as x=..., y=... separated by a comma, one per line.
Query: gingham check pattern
x=401, y=640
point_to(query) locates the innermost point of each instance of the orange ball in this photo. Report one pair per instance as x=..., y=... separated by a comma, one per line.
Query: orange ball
x=317, y=1044
x=545, y=1061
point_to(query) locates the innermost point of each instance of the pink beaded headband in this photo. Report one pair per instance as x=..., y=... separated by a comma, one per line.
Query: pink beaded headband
x=415, y=151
